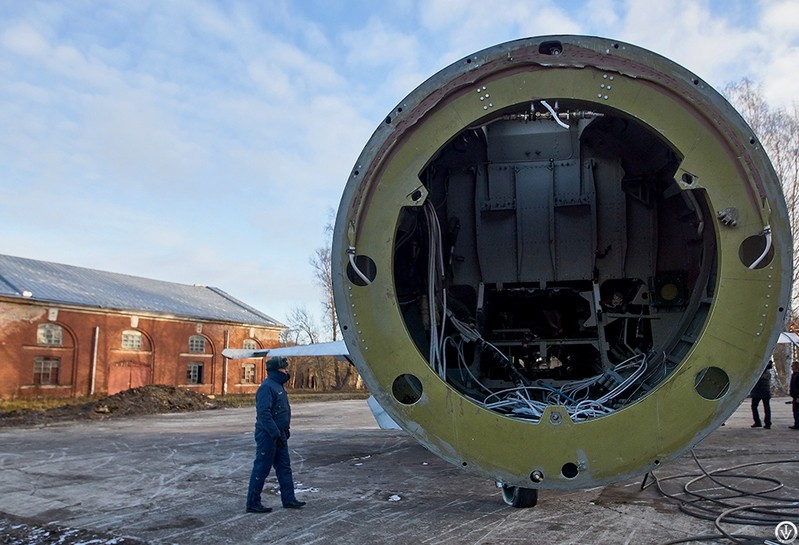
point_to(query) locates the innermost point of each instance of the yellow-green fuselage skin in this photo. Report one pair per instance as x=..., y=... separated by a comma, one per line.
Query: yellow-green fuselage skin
x=722, y=156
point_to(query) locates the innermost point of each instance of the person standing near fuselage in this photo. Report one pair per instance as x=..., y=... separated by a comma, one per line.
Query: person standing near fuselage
x=272, y=431
x=762, y=392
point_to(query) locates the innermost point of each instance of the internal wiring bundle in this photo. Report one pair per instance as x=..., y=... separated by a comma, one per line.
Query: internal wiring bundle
x=525, y=400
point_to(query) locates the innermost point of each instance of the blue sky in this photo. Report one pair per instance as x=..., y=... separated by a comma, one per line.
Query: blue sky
x=205, y=142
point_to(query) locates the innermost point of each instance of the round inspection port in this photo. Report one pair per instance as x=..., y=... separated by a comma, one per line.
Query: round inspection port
x=407, y=389
x=364, y=272
x=712, y=383
x=756, y=251
x=569, y=470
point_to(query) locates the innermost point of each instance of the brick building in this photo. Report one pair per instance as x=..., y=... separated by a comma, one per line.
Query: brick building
x=69, y=331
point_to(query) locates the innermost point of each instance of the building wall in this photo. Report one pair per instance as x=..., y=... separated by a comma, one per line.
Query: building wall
x=91, y=357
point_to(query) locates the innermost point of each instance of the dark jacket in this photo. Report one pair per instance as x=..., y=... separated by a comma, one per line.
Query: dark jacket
x=762, y=387
x=794, y=390
x=273, y=413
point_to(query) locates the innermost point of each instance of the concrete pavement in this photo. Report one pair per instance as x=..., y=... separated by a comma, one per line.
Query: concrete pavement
x=182, y=478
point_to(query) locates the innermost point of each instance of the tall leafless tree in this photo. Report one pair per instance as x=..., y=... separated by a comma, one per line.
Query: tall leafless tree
x=323, y=273
x=302, y=328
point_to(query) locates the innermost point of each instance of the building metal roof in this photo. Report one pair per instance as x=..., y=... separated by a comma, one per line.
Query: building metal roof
x=45, y=282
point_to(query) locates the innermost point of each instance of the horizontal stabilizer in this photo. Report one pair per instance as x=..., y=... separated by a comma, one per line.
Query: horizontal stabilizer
x=335, y=348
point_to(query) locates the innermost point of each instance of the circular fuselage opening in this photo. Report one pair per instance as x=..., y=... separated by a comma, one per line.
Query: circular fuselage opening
x=555, y=261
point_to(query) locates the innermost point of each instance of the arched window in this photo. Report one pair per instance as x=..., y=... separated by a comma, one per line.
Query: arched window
x=249, y=344
x=49, y=335
x=197, y=344
x=131, y=340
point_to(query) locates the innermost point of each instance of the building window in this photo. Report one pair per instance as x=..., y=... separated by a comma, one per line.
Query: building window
x=197, y=344
x=131, y=340
x=194, y=373
x=45, y=370
x=248, y=373
x=249, y=344
x=49, y=335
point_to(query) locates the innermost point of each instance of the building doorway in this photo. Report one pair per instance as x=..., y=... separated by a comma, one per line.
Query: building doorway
x=125, y=375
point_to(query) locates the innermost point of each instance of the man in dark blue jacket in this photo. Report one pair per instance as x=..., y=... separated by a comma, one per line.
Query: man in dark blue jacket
x=272, y=423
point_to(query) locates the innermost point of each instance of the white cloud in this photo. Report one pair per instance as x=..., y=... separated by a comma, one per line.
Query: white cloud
x=602, y=13
x=779, y=53
x=694, y=37
x=779, y=80
x=780, y=18
x=24, y=40
x=140, y=142
x=472, y=26
x=378, y=45
x=255, y=113
x=273, y=80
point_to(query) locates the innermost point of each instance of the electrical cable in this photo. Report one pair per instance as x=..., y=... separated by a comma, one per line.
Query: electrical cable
x=435, y=283
x=518, y=400
x=351, y=255
x=555, y=117
x=767, y=233
x=525, y=400
x=715, y=504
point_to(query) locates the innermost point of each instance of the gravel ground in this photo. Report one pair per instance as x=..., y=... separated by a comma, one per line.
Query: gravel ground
x=15, y=531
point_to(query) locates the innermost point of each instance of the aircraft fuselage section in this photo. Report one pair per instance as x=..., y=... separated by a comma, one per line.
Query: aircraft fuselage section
x=561, y=261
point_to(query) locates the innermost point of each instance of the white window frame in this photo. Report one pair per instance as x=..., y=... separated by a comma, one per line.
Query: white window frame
x=49, y=335
x=248, y=373
x=132, y=339
x=45, y=370
x=194, y=373
x=197, y=344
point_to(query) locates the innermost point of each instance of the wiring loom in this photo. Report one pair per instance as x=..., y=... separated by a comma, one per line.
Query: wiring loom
x=525, y=400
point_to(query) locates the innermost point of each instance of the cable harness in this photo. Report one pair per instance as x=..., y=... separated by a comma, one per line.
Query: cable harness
x=527, y=400
x=725, y=503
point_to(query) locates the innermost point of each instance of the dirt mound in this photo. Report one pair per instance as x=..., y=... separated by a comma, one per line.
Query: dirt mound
x=152, y=399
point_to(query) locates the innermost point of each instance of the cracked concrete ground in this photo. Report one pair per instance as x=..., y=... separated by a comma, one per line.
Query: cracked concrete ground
x=181, y=478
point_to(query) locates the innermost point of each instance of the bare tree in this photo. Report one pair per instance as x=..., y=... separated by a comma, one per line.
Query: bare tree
x=302, y=327
x=323, y=272
x=321, y=264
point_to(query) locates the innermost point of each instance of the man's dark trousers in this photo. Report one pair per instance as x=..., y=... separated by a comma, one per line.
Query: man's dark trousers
x=267, y=455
